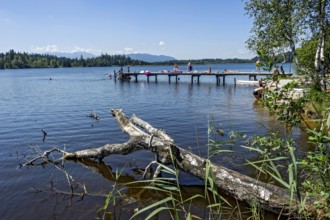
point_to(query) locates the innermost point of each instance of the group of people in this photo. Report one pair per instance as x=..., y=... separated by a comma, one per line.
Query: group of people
x=258, y=92
x=123, y=75
x=189, y=68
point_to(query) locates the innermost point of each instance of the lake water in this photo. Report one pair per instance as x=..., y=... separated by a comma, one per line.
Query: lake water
x=30, y=102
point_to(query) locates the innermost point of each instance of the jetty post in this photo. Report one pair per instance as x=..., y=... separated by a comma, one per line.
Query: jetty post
x=170, y=75
x=115, y=75
x=192, y=78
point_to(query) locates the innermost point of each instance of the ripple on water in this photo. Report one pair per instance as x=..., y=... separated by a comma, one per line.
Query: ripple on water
x=30, y=102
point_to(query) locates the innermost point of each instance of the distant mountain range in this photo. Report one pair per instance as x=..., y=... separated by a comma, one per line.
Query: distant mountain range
x=136, y=56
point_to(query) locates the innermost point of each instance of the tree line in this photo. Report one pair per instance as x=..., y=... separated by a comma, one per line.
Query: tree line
x=18, y=60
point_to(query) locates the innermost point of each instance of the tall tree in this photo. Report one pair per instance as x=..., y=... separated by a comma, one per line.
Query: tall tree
x=281, y=25
x=319, y=20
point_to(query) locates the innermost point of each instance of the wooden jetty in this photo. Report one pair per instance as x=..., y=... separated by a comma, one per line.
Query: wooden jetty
x=127, y=76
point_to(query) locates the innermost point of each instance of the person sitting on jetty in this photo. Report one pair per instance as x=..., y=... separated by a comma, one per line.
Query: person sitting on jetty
x=209, y=71
x=176, y=68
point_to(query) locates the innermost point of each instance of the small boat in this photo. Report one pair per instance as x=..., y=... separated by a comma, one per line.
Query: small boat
x=247, y=82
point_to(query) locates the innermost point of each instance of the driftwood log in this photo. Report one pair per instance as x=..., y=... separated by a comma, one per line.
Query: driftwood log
x=144, y=136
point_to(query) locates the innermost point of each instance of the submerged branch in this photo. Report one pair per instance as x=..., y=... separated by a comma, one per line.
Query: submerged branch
x=242, y=187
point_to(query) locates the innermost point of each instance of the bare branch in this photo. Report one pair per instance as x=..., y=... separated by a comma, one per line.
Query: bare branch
x=242, y=187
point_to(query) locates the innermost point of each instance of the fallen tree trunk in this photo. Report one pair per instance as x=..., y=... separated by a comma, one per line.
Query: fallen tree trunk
x=242, y=187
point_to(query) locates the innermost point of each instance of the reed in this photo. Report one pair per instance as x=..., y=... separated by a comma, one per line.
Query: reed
x=111, y=197
x=277, y=160
x=173, y=203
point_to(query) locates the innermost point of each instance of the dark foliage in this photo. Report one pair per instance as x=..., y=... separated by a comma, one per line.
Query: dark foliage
x=17, y=60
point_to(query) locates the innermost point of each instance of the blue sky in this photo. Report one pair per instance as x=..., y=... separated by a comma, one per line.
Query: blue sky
x=184, y=29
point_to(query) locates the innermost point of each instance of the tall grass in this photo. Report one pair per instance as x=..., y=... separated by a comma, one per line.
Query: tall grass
x=277, y=160
x=173, y=202
x=112, y=197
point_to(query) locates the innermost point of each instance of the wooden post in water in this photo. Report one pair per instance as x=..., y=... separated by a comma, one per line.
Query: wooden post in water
x=217, y=79
x=192, y=78
x=253, y=76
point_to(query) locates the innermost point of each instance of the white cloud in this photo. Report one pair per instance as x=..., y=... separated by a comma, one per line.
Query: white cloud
x=87, y=50
x=128, y=50
x=55, y=48
x=48, y=48
x=162, y=44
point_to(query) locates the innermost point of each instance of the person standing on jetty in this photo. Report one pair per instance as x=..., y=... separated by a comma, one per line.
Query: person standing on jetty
x=275, y=74
x=128, y=73
x=258, y=65
x=121, y=73
x=189, y=67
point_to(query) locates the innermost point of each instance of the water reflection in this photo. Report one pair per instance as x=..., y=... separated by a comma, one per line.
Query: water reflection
x=30, y=101
x=136, y=196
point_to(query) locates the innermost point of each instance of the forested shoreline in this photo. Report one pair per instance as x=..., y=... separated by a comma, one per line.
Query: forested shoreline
x=23, y=60
x=18, y=60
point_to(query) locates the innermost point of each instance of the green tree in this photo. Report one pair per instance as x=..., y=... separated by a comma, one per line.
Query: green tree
x=306, y=53
x=276, y=26
x=280, y=25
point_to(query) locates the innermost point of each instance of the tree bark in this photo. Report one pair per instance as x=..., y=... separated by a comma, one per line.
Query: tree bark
x=242, y=187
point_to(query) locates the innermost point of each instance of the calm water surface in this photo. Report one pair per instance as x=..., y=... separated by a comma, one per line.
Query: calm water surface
x=30, y=101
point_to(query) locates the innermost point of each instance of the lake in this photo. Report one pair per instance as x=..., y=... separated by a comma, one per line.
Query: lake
x=30, y=102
